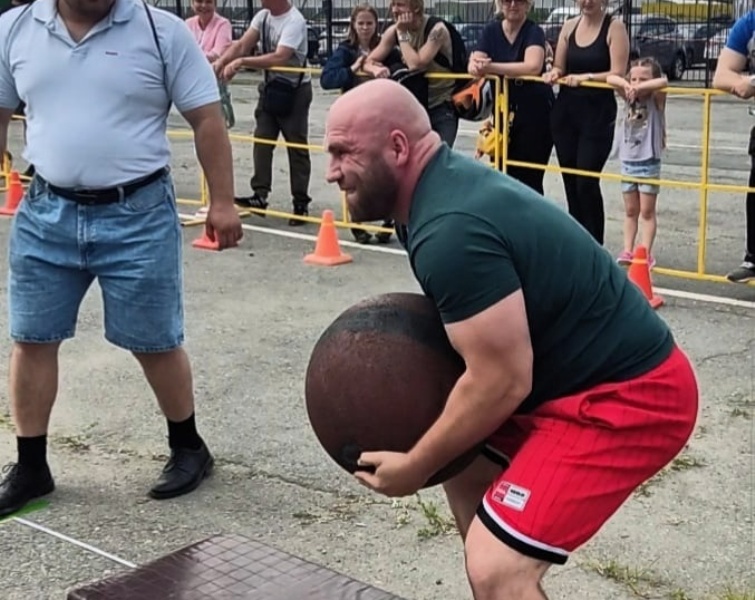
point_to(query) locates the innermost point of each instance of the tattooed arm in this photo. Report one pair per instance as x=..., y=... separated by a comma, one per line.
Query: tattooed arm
x=437, y=39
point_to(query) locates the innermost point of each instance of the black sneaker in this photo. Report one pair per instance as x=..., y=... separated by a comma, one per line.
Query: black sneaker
x=361, y=236
x=743, y=273
x=255, y=201
x=301, y=210
x=383, y=237
x=22, y=484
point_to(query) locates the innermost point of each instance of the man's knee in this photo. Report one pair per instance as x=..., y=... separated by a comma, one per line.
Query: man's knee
x=497, y=571
x=36, y=351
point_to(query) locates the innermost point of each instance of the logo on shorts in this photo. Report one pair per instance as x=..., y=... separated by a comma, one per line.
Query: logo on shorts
x=511, y=495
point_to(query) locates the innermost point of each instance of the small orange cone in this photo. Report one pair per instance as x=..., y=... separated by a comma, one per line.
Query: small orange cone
x=205, y=243
x=328, y=249
x=13, y=195
x=639, y=274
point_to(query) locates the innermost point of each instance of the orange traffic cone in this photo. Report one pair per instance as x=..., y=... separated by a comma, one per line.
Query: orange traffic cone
x=13, y=195
x=328, y=249
x=639, y=274
x=205, y=243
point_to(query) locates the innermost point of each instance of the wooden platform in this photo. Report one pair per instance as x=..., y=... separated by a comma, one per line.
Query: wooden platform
x=229, y=567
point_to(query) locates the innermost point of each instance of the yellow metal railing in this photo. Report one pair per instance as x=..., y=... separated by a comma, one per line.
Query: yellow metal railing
x=703, y=185
x=501, y=112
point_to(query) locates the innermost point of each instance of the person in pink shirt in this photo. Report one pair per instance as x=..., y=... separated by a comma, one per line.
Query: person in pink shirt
x=212, y=32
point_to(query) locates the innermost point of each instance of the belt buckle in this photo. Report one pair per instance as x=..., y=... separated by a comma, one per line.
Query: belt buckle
x=87, y=199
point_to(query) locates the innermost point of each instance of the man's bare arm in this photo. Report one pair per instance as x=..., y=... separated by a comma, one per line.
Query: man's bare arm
x=279, y=58
x=729, y=70
x=373, y=61
x=241, y=47
x=421, y=59
x=213, y=150
x=6, y=114
x=496, y=348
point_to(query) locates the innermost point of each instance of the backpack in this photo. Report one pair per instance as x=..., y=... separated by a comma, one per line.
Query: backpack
x=459, y=56
x=416, y=82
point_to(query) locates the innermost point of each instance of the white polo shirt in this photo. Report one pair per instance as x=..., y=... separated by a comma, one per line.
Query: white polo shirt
x=97, y=110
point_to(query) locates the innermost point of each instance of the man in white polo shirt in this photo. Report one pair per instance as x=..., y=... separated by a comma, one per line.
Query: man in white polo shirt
x=98, y=78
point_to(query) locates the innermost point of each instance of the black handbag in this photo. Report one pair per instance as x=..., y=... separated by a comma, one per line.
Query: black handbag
x=278, y=94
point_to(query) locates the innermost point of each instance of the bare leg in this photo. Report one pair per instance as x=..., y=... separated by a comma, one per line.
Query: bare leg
x=631, y=216
x=465, y=491
x=497, y=571
x=648, y=219
x=33, y=383
x=169, y=376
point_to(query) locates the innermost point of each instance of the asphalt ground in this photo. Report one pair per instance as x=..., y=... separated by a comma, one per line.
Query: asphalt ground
x=253, y=315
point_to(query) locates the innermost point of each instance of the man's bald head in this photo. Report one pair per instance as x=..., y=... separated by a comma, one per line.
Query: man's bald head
x=379, y=139
x=379, y=107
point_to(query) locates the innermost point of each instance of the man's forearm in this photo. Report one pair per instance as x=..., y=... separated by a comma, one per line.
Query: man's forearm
x=263, y=61
x=216, y=158
x=6, y=114
x=233, y=51
x=726, y=79
x=471, y=414
x=411, y=56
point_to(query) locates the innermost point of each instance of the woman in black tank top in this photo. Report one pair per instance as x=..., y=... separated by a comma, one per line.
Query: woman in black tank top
x=590, y=47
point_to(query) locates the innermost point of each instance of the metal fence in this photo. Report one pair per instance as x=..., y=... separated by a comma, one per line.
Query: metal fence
x=685, y=36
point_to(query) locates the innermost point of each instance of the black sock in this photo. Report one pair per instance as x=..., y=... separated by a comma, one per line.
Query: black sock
x=32, y=451
x=184, y=434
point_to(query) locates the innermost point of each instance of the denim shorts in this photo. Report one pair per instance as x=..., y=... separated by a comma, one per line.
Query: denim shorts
x=650, y=169
x=132, y=247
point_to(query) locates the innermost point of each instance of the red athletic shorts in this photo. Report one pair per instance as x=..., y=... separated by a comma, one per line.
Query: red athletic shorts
x=575, y=460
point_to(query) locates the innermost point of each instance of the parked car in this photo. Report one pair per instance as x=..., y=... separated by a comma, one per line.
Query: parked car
x=660, y=36
x=698, y=36
x=714, y=46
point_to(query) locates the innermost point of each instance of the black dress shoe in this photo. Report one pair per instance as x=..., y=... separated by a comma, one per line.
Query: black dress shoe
x=183, y=472
x=23, y=484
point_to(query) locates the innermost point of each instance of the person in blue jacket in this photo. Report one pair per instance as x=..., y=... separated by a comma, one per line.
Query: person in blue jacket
x=342, y=72
x=735, y=74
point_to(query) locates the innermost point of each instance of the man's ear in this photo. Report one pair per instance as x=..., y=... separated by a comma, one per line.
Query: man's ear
x=399, y=147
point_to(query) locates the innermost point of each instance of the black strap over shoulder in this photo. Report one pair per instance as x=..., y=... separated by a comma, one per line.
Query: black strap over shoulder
x=266, y=50
x=440, y=58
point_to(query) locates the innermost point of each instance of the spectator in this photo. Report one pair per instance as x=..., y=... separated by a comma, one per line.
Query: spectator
x=513, y=47
x=21, y=108
x=343, y=71
x=434, y=54
x=590, y=47
x=280, y=30
x=212, y=31
x=735, y=58
x=643, y=139
x=213, y=34
x=102, y=206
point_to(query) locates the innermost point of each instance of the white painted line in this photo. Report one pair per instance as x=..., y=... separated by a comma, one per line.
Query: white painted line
x=667, y=292
x=706, y=298
x=75, y=542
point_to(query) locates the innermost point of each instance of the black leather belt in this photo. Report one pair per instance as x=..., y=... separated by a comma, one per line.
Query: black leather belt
x=104, y=195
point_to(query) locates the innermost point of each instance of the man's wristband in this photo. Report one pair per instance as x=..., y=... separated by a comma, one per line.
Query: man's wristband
x=404, y=37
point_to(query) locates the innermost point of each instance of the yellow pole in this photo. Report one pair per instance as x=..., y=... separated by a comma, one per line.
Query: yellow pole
x=705, y=159
x=344, y=208
x=505, y=135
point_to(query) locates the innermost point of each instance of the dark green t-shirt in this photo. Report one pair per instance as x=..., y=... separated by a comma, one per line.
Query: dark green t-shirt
x=475, y=236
